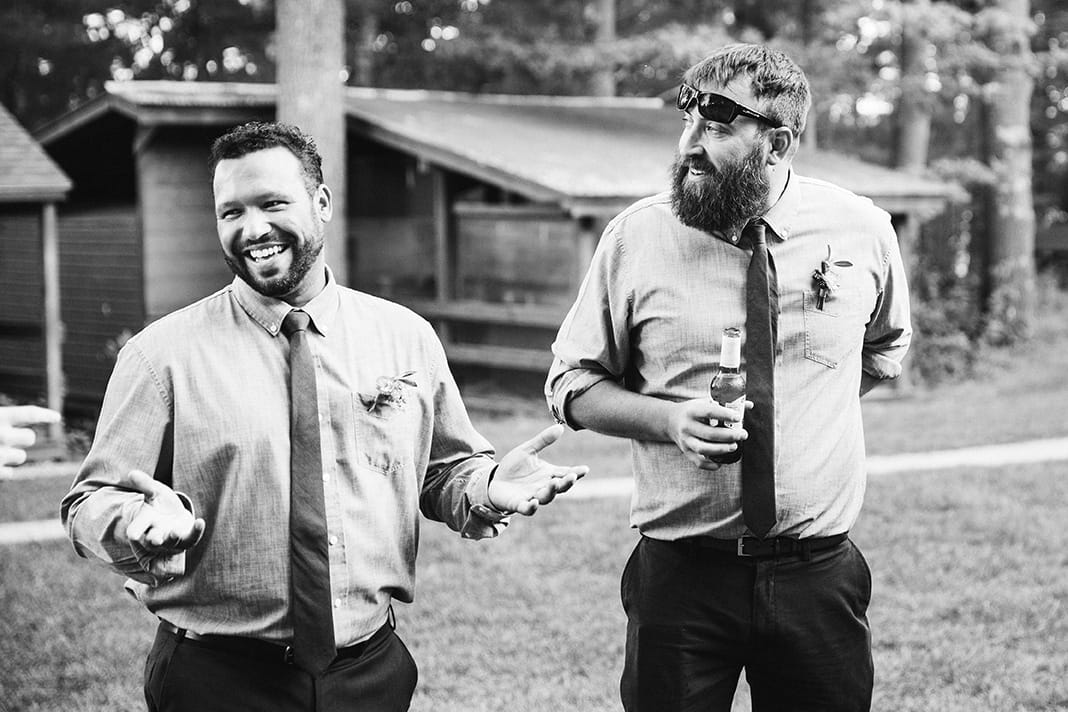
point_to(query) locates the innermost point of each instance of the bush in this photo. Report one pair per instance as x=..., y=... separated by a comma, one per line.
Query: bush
x=954, y=340
x=943, y=347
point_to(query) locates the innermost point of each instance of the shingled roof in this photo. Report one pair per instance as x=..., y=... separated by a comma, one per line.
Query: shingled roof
x=590, y=154
x=27, y=174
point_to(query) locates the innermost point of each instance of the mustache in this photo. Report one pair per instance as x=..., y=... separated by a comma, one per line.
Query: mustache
x=699, y=163
x=274, y=236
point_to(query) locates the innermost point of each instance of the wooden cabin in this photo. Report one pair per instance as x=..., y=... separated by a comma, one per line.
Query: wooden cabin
x=31, y=185
x=479, y=212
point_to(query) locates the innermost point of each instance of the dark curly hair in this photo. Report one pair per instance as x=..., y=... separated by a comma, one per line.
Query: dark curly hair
x=261, y=135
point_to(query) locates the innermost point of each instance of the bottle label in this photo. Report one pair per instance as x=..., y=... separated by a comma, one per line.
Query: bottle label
x=737, y=404
x=730, y=352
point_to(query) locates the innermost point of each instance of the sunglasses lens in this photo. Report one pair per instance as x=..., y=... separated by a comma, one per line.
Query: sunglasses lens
x=714, y=107
x=686, y=95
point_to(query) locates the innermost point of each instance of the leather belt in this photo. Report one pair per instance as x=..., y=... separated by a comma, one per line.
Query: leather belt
x=263, y=649
x=766, y=548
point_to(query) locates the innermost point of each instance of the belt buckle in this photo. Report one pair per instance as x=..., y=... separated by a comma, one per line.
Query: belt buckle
x=741, y=547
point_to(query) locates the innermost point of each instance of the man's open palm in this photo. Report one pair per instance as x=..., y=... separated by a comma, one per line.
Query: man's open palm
x=523, y=480
x=163, y=526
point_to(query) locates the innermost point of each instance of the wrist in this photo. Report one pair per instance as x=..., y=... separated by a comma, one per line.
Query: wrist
x=489, y=495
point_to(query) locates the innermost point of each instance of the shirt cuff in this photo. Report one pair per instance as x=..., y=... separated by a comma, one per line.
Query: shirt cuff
x=880, y=366
x=480, y=501
x=567, y=386
x=488, y=516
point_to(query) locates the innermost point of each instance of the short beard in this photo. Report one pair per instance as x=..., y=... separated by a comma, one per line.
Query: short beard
x=725, y=198
x=304, y=258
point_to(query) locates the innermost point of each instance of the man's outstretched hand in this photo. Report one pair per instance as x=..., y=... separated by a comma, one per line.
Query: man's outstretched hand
x=15, y=433
x=523, y=480
x=162, y=526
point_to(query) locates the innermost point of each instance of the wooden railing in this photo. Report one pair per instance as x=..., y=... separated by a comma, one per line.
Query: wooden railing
x=445, y=313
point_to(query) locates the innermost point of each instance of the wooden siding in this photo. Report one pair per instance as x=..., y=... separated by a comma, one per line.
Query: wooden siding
x=516, y=254
x=22, y=351
x=102, y=305
x=182, y=257
x=392, y=257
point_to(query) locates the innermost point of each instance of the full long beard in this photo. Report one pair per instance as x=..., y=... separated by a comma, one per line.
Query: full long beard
x=725, y=198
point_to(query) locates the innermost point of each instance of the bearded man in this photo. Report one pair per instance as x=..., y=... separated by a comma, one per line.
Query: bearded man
x=741, y=564
x=262, y=457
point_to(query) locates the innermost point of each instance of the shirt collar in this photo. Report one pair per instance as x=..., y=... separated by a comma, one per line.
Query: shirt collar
x=780, y=217
x=269, y=312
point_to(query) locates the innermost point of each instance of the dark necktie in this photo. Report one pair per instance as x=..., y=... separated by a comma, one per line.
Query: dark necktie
x=313, y=625
x=761, y=327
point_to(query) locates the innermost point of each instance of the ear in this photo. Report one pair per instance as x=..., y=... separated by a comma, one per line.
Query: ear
x=783, y=145
x=324, y=203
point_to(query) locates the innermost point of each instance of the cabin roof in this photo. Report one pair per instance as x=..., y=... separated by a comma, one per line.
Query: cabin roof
x=27, y=173
x=590, y=154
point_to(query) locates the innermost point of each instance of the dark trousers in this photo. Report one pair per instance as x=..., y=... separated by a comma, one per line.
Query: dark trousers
x=184, y=675
x=696, y=617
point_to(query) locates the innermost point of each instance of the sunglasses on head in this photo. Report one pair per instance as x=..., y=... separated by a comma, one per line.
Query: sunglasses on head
x=718, y=108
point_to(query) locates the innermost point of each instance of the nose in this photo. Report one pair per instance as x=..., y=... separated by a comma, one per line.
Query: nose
x=689, y=141
x=255, y=225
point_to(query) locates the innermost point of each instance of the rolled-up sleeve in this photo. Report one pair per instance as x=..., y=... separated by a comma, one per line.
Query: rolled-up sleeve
x=455, y=488
x=889, y=331
x=102, y=502
x=593, y=342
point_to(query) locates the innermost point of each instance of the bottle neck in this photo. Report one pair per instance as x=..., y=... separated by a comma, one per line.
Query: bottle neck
x=730, y=354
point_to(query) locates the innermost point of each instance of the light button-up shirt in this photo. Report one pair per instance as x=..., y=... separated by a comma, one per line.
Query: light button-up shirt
x=650, y=315
x=200, y=398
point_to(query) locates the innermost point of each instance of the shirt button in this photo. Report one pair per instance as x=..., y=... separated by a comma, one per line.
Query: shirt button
x=337, y=603
x=734, y=238
x=326, y=478
x=333, y=540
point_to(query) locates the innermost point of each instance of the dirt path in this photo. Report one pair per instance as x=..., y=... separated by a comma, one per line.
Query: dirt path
x=1032, y=451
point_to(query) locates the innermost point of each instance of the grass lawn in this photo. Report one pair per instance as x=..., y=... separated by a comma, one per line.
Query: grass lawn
x=968, y=612
x=971, y=587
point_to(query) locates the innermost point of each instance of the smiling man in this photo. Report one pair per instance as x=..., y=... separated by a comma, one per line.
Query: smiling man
x=743, y=564
x=262, y=457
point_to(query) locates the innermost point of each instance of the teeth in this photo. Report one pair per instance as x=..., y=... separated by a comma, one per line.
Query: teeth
x=262, y=253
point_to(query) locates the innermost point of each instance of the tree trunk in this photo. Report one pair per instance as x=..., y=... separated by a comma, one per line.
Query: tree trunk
x=808, y=16
x=913, y=128
x=603, y=81
x=311, y=54
x=363, y=60
x=1011, y=303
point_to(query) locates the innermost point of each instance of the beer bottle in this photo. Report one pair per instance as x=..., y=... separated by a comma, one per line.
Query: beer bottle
x=728, y=386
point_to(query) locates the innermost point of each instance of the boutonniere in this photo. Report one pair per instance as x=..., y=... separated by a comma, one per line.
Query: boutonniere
x=389, y=390
x=827, y=279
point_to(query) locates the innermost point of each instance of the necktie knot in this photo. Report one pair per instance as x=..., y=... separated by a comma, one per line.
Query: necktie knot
x=295, y=321
x=754, y=233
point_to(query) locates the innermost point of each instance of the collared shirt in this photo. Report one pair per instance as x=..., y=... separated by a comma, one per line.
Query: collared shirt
x=209, y=383
x=650, y=315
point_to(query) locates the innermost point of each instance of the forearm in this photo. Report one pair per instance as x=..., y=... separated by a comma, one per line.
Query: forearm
x=609, y=408
x=868, y=381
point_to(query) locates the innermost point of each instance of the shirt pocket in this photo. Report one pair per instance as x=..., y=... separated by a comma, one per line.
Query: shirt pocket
x=835, y=331
x=386, y=435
